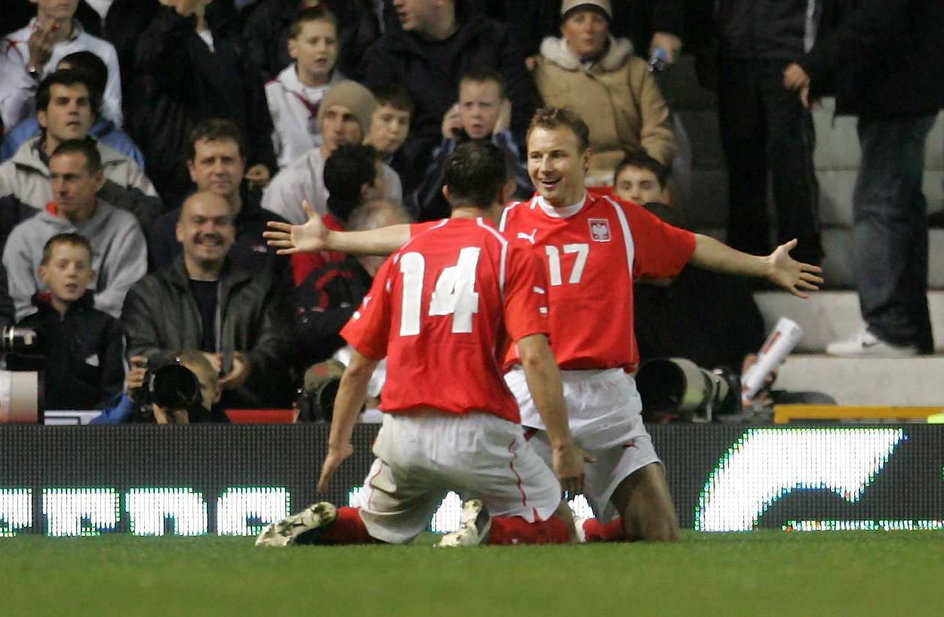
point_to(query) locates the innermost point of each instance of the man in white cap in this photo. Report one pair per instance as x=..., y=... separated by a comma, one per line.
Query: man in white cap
x=343, y=118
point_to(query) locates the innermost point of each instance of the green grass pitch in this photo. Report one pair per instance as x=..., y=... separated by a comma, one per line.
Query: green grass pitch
x=762, y=573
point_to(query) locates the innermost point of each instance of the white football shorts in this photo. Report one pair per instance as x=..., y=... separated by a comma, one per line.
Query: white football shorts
x=605, y=417
x=421, y=457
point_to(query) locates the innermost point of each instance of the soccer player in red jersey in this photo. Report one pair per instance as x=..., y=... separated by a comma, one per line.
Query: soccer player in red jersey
x=593, y=245
x=440, y=310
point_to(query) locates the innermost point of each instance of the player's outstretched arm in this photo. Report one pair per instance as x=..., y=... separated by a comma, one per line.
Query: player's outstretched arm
x=314, y=236
x=778, y=267
x=347, y=405
x=544, y=382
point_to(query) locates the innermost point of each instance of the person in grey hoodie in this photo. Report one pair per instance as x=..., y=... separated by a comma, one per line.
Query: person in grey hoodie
x=119, y=253
x=66, y=109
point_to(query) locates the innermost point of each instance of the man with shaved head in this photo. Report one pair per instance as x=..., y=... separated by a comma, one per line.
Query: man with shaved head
x=205, y=301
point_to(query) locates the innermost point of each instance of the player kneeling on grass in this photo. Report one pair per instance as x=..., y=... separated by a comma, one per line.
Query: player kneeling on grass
x=442, y=303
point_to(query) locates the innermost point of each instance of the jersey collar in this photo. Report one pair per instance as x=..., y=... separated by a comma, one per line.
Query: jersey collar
x=561, y=213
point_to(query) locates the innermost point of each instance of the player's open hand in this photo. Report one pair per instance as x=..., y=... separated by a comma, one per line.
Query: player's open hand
x=568, y=465
x=333, y=460
x=792, y=275
x=289, y=239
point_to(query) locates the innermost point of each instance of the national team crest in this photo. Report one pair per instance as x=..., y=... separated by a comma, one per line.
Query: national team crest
x=600, y=230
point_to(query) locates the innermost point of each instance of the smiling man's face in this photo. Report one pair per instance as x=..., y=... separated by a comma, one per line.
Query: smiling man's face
x=557, y=165
x=205, y=229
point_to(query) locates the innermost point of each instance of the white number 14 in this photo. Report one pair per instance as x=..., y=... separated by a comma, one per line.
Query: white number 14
x=454, y=293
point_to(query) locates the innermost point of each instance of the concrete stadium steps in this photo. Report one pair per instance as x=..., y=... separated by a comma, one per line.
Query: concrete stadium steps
x=894, y=382
x=833, y=315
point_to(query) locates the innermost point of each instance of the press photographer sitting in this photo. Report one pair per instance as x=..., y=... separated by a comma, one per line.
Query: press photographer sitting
x=186, y=391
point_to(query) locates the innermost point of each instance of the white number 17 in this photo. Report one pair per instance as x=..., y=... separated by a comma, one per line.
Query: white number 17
x=554, y=262
x=454, y=293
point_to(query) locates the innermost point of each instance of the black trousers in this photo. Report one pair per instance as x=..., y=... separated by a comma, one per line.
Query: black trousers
x=766, y=132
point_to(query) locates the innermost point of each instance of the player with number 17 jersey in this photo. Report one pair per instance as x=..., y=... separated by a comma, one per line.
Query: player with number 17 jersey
x=440, y=309
x=593, y=251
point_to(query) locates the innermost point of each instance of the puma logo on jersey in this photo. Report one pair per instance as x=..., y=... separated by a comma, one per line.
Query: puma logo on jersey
x=528, y=237
x=599, y=230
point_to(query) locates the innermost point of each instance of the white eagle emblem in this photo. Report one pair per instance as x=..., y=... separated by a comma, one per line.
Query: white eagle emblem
x=600, y=230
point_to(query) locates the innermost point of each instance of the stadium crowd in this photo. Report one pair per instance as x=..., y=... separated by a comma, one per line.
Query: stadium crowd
x=147, y=144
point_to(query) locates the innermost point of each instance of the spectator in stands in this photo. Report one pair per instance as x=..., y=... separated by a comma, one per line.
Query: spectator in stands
x=198, y=393
x=18, y=13
x=765, y=131
x=437, y=43
x=648, y=24
x=483, y=112
x=189, y=67
x=82, y=357
x=119, y=255
x=598, y=77
x=344, y=117
x=704, y=316
x=66, y=110
x=328, y=296
x=295, y=95
x=389, y=128
x=95, y=74
x=33, y=52
x=361, y=22
x=205, y=301
x=267, y=32
x=353, y=176
x=888, y=60
x=217, y=164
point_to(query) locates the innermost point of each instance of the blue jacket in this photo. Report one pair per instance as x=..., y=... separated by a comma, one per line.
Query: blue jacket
x=122, y=412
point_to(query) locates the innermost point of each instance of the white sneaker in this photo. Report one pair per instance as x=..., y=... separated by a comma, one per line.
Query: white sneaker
x=474, y=525
x=286, y=531
x=867, y=345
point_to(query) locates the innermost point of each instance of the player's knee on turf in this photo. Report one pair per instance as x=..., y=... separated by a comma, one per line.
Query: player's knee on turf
x=644, y=502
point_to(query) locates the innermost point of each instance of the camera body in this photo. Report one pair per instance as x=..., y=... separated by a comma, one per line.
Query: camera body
x=172, y=386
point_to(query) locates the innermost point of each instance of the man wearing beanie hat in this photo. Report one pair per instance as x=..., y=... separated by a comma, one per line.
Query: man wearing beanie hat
x=343, y=118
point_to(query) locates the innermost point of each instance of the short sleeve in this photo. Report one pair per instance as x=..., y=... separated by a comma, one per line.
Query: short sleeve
x=526, y=303
x=368, y=330
x=661, y=250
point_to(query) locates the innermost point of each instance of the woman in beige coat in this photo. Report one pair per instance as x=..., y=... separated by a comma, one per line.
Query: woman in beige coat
x=597, y=76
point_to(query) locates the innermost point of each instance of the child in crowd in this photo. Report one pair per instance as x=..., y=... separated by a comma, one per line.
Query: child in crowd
x=389, y=128
x=390, y=122
x=83, y=346
x=482, y=112
x=295, y=95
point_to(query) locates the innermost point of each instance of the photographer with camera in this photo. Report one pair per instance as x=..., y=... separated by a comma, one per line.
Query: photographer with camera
x=185, y=391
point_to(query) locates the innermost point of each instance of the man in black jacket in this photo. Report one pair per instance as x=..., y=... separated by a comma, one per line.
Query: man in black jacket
x=764, y=128
x=205, y=301
x=189, y=66
x=888, y=61
x=439, y=41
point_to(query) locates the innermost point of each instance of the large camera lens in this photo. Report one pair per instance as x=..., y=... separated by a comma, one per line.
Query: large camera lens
x=174, y=387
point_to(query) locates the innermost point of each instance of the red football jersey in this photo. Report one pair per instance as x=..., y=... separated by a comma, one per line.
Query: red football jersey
x=440, y=310
x=592, y=258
